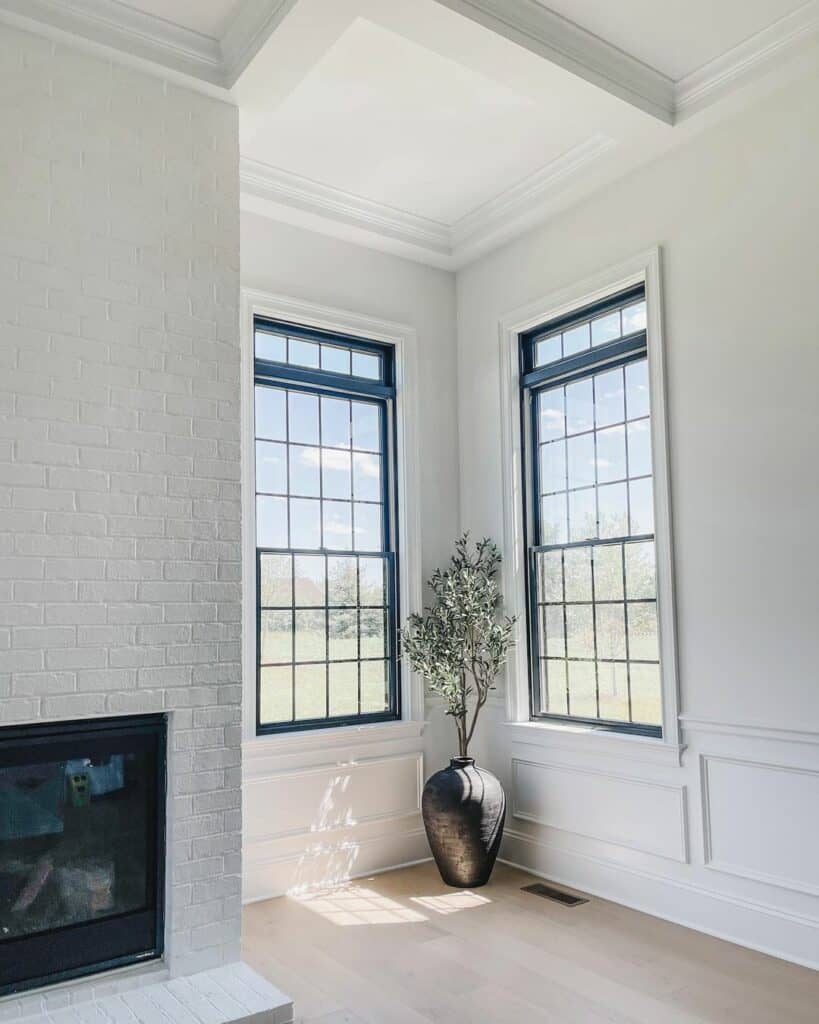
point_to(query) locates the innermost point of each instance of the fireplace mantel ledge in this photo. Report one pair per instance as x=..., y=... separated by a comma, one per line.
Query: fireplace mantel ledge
x=233, y=994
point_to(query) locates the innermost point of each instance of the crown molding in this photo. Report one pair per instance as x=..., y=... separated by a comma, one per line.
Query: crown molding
x=254, y=23
x=534, y=26
x=520, y=206
x=126, y=30
x=749, y=60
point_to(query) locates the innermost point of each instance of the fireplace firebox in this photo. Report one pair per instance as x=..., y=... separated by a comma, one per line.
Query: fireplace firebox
x=82, y=848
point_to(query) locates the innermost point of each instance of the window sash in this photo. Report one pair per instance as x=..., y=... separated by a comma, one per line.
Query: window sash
x=534, y=380
x=323, y=383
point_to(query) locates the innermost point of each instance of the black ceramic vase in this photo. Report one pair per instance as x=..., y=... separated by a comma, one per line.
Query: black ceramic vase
x=464, y=808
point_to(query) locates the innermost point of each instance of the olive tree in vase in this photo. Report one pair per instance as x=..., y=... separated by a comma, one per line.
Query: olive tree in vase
x=459, y=644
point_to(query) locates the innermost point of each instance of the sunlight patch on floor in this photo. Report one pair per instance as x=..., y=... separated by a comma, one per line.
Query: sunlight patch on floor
x=451, y=903
x=357, y=905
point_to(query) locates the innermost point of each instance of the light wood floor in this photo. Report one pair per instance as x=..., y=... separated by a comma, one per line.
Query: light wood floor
x=402, y=948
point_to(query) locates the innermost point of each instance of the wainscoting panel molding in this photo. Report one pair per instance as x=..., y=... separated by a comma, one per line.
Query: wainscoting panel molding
x=761, y=821
x=635, y=813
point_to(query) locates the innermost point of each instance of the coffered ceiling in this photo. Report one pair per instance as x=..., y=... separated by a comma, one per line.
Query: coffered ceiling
x=438, y=128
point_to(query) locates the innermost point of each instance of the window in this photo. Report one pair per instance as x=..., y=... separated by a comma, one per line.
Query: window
x=325, y=542
x=592, y=588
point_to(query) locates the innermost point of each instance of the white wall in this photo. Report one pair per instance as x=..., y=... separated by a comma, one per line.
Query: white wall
x=734, y=840
x=319, y=809
x=119, y=440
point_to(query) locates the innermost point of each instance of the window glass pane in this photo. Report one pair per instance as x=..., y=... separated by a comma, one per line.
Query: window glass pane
x=634, y=318
x=613, y=510
x=343, y=681
x=578, y=575
x=336, y=473
x=608, y=572
x=367, y=527
x=579, y=407
x=338, y=525
x=553, y=519
x=552, y=467
x=303, y=418
x=582, y=689
x=303, y=353
x=272, y=347
x=611, y=454
x=640, y=570
x=366, y=477
x=606, y=328
x=309, y=580
x=304, y=471
x=305, y=523
x=367, y=365
x=372, y=633
x=580, y=455
x=637, y=402
x=576, y=339
x=556, y=701
x=342, y=634
x=582, y=515
x=550, y=575
x=641, y=501
x=311, y=635
x=334, y=359
x=612, y=686
x=643, y=644
x=271, y=467
x=639, y=448
x=579, y=631
x=609, y=397
x=371, y=581
x=646, y=703
x=311, y=691
x=276, y=636
x=276, y=582
x=271, y=415
x=366, y=427
x=611, y=631
x=550, y=414
x=374, y=691
x=271, y=522
x=547, y=350
x=276, y=694
x=554, y=631
x=335, y=422
x=342, y=583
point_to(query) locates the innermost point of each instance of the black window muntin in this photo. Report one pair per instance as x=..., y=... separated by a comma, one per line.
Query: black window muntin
x=355, y=388
x=626, y=349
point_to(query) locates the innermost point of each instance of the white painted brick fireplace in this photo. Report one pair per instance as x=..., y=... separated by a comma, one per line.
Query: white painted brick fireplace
x=119, y=447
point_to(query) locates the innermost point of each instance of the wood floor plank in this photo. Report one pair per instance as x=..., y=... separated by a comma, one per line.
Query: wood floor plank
x=403, y=948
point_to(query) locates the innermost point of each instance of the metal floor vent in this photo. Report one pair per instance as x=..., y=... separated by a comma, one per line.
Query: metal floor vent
x=548, y=892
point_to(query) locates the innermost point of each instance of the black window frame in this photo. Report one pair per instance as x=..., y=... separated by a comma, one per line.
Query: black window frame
x=533, y=379
x=383, y=393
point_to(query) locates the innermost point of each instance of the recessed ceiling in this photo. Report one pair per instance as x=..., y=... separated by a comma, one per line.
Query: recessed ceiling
x=675, y=37
x=432, y=114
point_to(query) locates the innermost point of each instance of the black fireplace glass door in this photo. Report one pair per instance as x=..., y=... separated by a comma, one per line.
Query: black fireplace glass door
x=81, y=847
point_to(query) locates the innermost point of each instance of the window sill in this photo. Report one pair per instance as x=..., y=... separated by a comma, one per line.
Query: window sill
x=258, y=750
x=588, y=740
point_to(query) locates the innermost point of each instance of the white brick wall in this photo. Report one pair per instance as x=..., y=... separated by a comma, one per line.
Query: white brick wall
x=119, y=438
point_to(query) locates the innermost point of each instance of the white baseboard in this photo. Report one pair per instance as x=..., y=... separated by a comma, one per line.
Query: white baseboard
x=757, y=926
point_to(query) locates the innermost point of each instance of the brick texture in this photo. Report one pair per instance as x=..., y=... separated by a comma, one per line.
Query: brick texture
x=119, y=438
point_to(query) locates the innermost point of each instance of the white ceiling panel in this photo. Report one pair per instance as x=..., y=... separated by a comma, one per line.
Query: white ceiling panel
x=209, y=17
x=674, y=37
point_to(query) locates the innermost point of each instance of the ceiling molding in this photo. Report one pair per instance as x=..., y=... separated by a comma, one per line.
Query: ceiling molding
x=519, y=207
x=747, y=61
x=560, y=41
x=123, y=29
x=254, y=23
